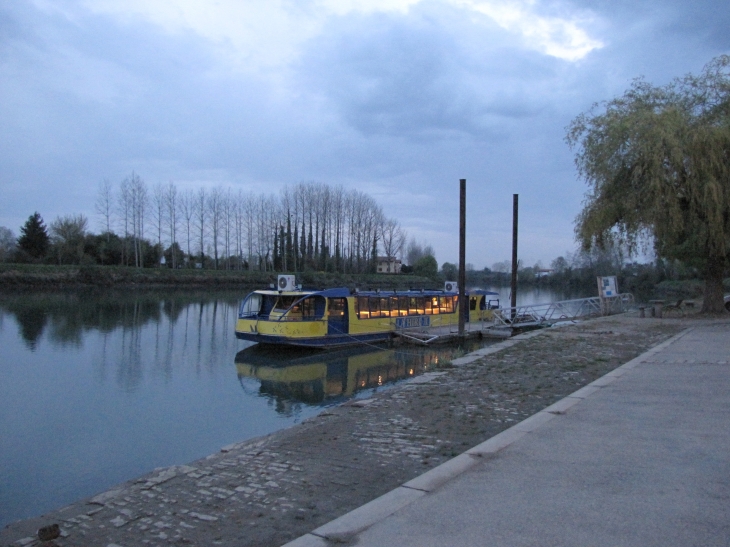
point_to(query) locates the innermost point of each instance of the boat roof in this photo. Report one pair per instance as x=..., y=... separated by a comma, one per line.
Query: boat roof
x=341, y=292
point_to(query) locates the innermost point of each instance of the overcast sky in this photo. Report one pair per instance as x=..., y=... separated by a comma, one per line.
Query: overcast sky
x=398, y=98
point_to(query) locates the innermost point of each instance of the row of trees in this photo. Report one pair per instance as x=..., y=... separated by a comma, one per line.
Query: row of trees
x=576, y=272
x=308, y=226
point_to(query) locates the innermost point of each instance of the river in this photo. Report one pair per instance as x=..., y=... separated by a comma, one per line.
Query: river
x=100, y=387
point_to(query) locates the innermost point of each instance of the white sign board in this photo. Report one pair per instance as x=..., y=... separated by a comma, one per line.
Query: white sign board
x=607, y=286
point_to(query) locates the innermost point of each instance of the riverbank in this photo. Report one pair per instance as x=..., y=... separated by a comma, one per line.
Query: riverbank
x=270, y=490
x=42, y=277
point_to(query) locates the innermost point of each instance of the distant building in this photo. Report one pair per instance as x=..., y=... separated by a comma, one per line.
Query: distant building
x=388, y=264
x=543, y=272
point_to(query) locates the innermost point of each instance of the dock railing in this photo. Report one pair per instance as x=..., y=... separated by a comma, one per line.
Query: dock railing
x=566, y=310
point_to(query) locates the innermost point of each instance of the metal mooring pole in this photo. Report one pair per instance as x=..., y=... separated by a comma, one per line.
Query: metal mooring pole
x=463, y=304
x=513, y=302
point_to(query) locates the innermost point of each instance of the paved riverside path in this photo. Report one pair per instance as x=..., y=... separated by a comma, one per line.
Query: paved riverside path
x=639, y=457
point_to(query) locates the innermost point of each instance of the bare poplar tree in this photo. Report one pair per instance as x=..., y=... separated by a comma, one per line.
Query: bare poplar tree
x=228, y=209
x=124, y=205
x=158, y=210
x=201, y=215
x=392, y=238
x=139, y=199
x=215, y=214
x=266, y=209
x=249, y=211
x=338, y=210
x=187, y=208
x=105, y=206
x=171, y=204
x=239, y=208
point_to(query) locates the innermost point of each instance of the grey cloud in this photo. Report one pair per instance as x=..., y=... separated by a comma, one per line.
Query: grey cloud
x=428, y=74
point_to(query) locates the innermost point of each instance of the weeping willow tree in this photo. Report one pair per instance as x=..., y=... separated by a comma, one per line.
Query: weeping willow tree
x=657, y=163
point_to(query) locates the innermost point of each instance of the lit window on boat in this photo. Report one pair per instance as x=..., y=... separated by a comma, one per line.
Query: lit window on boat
x=385, y=307
x=416, y=305
x=363, y=311
x=446, y=304
x=337, y=307
x=402, y=305
x=374, y=306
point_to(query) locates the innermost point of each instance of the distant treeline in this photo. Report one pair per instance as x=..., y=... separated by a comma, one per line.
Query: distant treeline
x=310, y=226
x=41, y=277
x=577, y=273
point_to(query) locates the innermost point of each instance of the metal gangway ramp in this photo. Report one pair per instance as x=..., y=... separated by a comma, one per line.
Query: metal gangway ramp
x=504, y=320
x=537, y=315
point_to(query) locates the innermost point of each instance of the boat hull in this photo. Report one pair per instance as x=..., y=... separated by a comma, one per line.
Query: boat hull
x=329, y=341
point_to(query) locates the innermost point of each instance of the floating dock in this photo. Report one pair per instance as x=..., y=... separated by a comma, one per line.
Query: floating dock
x=507, y=320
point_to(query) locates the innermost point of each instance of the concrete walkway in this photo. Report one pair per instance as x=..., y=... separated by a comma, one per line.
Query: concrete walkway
x=639, y=457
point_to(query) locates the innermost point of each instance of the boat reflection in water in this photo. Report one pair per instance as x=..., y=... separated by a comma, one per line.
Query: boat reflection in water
x=315, y=377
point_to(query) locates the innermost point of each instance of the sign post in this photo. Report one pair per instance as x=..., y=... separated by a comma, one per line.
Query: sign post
x=607, y=286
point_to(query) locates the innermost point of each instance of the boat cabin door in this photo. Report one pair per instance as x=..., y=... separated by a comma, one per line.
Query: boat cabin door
x=337, y=319
x=472, y=307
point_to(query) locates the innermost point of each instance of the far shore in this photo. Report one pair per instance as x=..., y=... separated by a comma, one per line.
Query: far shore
x=42, y=277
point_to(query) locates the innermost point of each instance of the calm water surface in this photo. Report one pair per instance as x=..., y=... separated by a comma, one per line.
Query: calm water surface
x=98, y=388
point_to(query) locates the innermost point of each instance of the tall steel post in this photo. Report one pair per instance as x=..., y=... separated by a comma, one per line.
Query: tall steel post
x=463, y=304
x=513, y=302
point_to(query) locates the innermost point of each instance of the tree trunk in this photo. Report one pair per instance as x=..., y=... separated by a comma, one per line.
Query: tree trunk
x=713, y=299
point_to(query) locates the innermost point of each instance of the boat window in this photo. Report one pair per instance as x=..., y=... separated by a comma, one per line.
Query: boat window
x=482, y=302
x=251, y=306
x=402, y=305
x=363, y=310
x=307, y=306
x=374, y=306
x=283, y=303
x=416, y=305
x=472, y=303
x=337, y=307
x=268, y=305
x=428, y=307
x=446, y=304
x=435, y=305
x=384, y=307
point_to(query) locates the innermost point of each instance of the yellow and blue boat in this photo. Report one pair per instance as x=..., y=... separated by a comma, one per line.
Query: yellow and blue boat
x=340, y=317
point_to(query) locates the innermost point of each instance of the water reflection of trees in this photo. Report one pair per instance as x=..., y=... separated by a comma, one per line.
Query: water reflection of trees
x=149, y=332
x=32, y=321
x=69, y=315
